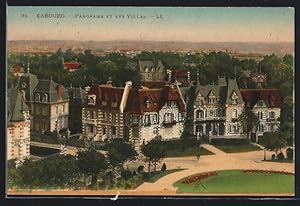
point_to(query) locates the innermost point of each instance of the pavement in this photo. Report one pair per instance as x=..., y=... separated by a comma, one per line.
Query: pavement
x=219, y=161
x=191, y=165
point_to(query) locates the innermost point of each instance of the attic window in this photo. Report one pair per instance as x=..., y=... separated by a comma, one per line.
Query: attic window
x=24, y=85
x=147, y=102
x=45, y=98
x=37, y=97
x=91, y=99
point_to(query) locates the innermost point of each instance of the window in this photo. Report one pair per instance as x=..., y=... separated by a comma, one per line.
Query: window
x=272, y=115
x=147, y=102
x=200, y=114
x=114, y=130
x=113, y=118
x=169, y=104
x=24, y=85
x=45, y=98
x=155, y=119
x=91, y=128
x=37, y=97
x=91, y=99
x=147, y=121
x=56, y=109
x=234, y=113
x=260, y=115
x=104, y=130
x=63, y=108
x=169, y=118
x=91, y=114
x=135, y=119
x=211, y=112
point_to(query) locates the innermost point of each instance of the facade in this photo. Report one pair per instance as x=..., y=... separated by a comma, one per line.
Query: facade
x=149, y=70
x=51, y=107
x=48, y=103
x=137, y=115
x=216, y=109
x=18, y=126
x=266, y=104
x=76, y=100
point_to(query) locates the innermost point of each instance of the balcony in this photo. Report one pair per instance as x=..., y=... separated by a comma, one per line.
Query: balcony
x=169, y=124
x=90, y=121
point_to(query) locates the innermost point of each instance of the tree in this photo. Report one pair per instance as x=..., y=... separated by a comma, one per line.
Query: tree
x=120, y=151
x=248, y=121
x=153, y=152
x=91, y=162
x=53, y=171
x=274, y=141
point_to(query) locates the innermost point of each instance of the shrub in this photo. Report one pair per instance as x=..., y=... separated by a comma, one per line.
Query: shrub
x=289, y=153
x=140, y=169
x=273, y=157
x=126, y=174
x=280, y=156
x=164, y=168
x=134, y=173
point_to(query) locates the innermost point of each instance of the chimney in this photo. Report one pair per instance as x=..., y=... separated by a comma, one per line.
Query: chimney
x=59, y=91
x=128, y=86
x=28, y=67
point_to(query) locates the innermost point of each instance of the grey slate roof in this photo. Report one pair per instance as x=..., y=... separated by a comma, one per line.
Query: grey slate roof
x=221, y=90
x=49, y=87
x=29, y=81
x=233, y=87
x=78, y=93
x=142, y=64
x=15, y=105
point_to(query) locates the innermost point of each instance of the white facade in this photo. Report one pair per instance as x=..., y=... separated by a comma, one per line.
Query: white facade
x=18, y=140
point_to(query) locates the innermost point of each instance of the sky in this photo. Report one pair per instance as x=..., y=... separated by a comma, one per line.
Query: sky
x=193, y=24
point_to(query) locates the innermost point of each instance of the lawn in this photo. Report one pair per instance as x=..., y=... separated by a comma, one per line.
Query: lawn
x=234, y=145
x=184, y=148
x=190, y=151
x=239, y=182
x=154, y=176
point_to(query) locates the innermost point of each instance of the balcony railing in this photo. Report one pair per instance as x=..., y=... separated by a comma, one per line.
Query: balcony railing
x=90, y=121
x=169, y=124
x=209, y=118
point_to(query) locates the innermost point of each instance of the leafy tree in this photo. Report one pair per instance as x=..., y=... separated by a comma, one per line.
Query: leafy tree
x=120, y=151
x=273, y=141
x=154, y=152
x=53, y=171
x=248, y=121
x=91, y=162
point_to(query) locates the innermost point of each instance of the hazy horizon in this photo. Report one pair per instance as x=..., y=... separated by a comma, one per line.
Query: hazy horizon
x=188, y=24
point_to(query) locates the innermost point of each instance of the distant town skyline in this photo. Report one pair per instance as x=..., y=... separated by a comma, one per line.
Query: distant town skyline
x=209, y=24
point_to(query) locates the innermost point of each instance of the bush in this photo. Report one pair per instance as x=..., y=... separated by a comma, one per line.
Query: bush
x=140, y=169
x=164, y=168
x=273, y=157
x=126, y=174
x=229, y=141
x=280, y=156
x=289, y=153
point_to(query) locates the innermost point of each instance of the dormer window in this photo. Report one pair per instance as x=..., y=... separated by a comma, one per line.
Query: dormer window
x=37, y=97
x=114, y=101
x=45, y=98
x=234, y=98
x=24, y=85
x=91, y=99
x=104, y=101
x=147, y=102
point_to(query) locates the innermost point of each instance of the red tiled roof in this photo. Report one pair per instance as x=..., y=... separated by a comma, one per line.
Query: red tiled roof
x=270, y=96
x=136, y=98
x=18, y=69
x=154, y=84
x=72, y=65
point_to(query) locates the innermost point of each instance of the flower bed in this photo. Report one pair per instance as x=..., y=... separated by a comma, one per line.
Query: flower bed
x=199, y=177
x=268, y=172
